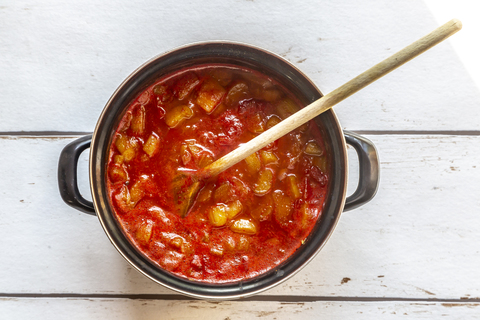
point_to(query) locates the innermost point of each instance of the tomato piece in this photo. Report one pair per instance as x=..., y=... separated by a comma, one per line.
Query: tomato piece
x=264, y=208
x=312, y=148
x=118, y=174
x=163, y=92
x=185, y=85
x=222, y=75
x=237, y=93
x=232, y=128
x=318, y=175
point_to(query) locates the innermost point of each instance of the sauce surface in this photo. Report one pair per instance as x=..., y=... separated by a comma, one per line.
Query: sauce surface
x=244, y=221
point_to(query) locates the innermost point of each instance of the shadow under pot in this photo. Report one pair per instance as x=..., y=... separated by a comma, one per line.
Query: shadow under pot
x=207, y=99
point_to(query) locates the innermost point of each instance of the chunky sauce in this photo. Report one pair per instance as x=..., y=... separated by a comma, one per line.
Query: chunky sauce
x=246, y=220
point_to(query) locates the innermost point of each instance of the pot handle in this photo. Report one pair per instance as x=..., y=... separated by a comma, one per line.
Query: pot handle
x=369, y=176
x=67, y=175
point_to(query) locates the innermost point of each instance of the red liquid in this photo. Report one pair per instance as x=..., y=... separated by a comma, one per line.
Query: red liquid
x=246, y=220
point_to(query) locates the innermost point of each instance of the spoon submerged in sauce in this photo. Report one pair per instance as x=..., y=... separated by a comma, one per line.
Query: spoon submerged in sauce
x=188, y=184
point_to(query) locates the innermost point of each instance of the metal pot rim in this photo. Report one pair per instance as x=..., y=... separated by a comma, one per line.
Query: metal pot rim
x=217, y=292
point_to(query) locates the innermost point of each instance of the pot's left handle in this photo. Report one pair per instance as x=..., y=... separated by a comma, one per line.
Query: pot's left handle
x=67, y=175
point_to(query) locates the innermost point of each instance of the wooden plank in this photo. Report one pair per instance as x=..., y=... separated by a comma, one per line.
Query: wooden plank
x=418, y=237
x=23, y=308
x=61, y=60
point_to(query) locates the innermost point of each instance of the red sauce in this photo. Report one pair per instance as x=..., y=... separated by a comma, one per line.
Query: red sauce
x=245, y=221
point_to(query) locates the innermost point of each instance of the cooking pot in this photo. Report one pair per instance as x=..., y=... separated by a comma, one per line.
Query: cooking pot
x=242, y=55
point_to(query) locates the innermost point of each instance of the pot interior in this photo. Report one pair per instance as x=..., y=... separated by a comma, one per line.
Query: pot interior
x=225, y=53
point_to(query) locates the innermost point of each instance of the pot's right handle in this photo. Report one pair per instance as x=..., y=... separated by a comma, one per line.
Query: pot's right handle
x=67, y=175
x=369, y=176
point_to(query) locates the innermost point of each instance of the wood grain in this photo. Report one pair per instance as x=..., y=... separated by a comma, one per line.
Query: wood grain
x=408, y=242
x=123, y=309
x=61, y=61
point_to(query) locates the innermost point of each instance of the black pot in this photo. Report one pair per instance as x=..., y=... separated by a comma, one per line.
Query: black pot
x=243, y=55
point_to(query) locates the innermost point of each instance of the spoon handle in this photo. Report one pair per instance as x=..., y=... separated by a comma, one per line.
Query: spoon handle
x=326, y=102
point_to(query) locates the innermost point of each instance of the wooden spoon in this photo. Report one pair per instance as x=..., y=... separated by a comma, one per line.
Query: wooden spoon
x=187, y=185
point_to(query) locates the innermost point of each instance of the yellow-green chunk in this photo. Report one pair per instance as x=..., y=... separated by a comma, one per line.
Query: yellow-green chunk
x=264, y=182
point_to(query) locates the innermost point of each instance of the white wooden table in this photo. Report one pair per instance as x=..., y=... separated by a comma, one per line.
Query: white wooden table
x=413, y=251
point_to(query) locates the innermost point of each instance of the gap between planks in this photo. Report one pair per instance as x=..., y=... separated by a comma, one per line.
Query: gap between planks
x=70, y=134
x=279, y=298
